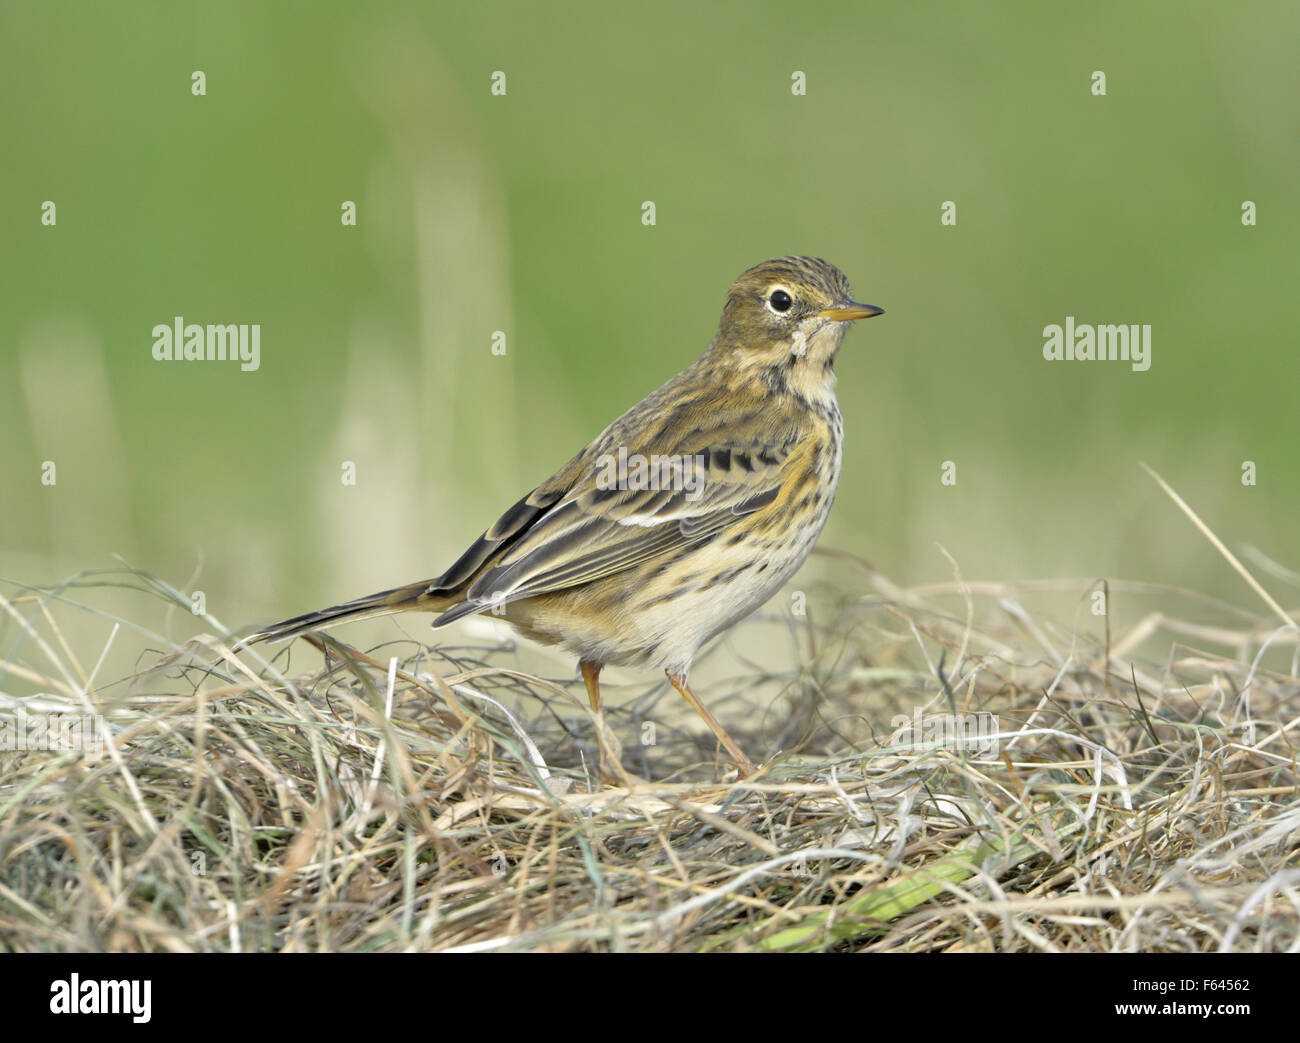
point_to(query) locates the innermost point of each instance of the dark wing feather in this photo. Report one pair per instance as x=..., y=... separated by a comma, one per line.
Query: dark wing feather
x=506, y=529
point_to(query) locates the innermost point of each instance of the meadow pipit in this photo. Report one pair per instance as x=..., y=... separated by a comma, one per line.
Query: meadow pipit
x=685, y=514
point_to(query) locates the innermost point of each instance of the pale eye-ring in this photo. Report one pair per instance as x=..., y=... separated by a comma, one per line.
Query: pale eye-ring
x=780, y=301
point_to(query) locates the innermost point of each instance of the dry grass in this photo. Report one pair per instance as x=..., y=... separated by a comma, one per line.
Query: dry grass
x=452, y=802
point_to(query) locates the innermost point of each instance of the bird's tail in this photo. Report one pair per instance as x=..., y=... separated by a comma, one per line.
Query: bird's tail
x=413, y=597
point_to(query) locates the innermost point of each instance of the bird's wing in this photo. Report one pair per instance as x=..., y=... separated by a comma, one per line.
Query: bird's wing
x=505, y=531
x=594, y=528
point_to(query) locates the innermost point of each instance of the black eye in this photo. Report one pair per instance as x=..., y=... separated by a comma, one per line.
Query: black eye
x=780, y=300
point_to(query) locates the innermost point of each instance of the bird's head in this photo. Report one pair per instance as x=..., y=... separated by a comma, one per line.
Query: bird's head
x=785, y=319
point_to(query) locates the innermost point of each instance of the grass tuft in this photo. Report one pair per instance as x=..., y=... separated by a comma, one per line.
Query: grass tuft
x=1139, y=792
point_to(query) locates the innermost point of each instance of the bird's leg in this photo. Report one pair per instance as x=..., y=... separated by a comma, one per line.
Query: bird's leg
x=611, y=766
x=591, y=678
x=744, y=763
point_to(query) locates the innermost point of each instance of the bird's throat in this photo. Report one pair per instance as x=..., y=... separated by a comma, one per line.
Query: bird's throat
x=809, y=381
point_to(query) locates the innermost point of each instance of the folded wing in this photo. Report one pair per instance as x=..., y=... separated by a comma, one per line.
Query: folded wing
x=596, y=518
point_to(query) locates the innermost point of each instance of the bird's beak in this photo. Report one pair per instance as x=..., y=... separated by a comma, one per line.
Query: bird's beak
x=847, y=311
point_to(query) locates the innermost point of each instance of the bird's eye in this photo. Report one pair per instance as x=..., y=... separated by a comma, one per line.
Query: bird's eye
x=780, y=301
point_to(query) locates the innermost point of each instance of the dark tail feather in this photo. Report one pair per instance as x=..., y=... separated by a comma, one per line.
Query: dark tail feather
x=399, y=599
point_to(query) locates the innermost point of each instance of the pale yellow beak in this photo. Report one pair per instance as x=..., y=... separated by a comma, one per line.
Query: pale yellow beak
x=850, y=310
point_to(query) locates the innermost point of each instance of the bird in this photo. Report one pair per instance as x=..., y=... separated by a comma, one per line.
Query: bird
x=684, y=515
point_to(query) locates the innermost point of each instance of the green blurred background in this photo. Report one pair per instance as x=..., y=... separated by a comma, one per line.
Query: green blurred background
x=522, y=213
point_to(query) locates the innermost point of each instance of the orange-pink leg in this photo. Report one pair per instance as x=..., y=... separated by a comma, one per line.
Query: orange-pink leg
x=591, y=678
x=744, y=763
